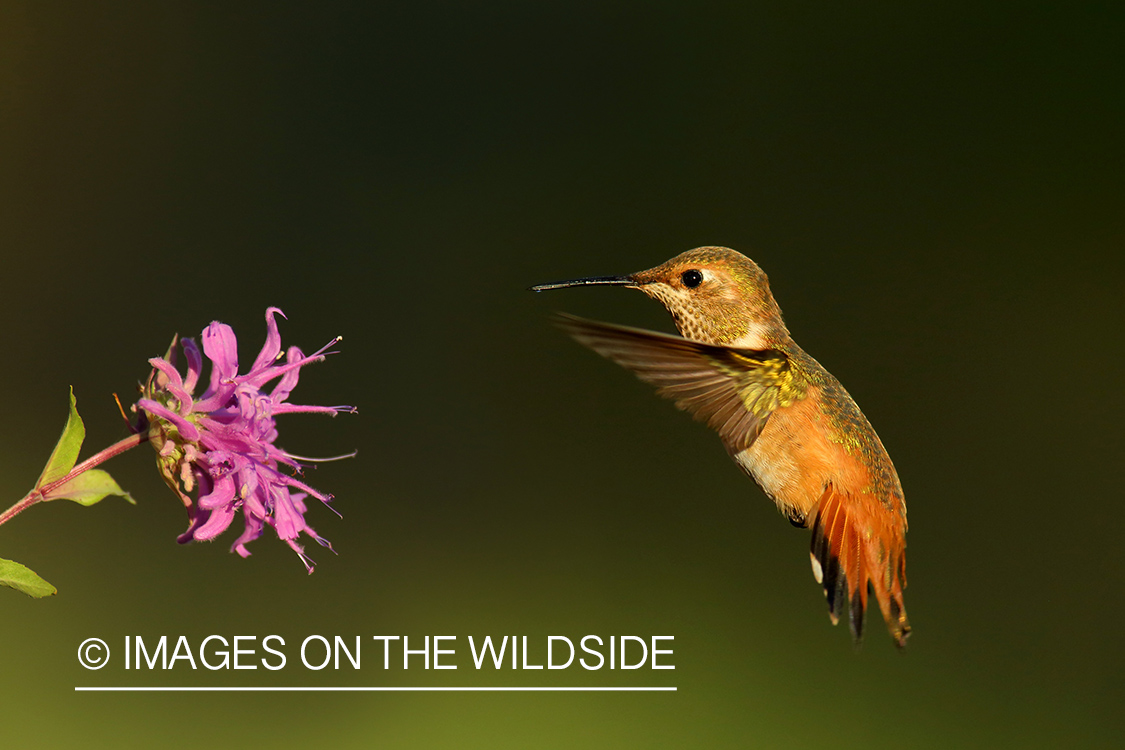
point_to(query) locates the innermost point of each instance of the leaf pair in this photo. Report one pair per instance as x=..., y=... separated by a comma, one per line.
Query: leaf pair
x=88, y=487
x=85, y=488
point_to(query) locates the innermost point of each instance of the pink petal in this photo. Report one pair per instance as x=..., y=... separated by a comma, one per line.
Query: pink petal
x=288, y=381
x=221, y=347
x=272, y=347
x=187, y=430
x=216, y=523
x=222, y=494
x=194, y=362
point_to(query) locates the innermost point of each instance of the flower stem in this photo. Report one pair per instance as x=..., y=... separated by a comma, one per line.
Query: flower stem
x=37, y=494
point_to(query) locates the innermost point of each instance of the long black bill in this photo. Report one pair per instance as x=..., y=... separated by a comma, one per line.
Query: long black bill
x=589, y=281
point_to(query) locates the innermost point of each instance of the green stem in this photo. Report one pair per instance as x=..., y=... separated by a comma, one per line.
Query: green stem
x=37, y=494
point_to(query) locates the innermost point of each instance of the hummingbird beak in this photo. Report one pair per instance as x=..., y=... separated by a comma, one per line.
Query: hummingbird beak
x=588, y=281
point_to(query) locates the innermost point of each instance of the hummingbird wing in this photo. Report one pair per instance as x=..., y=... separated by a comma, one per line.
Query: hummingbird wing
x=733, y=390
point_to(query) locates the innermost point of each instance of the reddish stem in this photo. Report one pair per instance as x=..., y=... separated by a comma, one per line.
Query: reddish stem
x=37, y=494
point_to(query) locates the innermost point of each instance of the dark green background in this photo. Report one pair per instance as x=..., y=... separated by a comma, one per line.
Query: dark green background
x=937, y=196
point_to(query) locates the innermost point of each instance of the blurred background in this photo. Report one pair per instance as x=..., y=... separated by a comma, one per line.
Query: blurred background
x=935, y=192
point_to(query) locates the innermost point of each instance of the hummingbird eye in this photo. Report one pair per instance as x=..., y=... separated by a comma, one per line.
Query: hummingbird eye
x=691, y=278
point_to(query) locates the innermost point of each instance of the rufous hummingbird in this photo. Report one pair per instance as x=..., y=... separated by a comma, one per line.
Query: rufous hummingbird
x=782, y=417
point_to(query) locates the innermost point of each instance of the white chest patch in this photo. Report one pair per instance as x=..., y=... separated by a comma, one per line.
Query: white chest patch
x=775, y=473
x=754, y=338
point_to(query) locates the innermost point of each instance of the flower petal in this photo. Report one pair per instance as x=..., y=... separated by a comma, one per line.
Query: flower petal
x=287, y=519
x=253, y=530
x=186, y=429
x=272, y=347
x=288, y=381
x=216, y=523
x=223, y=494
x=221, y=347
x=194, y=362
x=173, y=384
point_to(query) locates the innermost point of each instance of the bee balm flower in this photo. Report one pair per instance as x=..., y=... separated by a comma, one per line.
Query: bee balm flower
x=220, y=445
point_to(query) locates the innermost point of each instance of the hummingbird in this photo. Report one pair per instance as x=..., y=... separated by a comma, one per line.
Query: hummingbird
x=782, y=417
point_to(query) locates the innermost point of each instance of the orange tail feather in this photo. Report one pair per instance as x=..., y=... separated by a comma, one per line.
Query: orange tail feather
x=857, y=543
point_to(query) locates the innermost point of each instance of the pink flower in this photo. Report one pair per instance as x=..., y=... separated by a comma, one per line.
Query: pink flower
x=221, y=445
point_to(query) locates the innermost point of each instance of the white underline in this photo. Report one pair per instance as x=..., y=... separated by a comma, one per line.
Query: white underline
x=362, y=689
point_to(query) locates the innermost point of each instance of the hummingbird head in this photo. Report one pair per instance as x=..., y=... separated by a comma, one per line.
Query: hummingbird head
x=715, y=295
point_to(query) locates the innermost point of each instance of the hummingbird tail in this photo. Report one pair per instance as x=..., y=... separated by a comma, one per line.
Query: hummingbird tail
x=855, y=548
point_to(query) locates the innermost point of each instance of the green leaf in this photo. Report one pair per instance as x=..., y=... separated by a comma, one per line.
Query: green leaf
x=22, y=578
x=66, y=450
x=88, y=488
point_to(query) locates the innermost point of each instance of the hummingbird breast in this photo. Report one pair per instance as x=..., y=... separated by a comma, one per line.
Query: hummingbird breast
x=793, y=458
